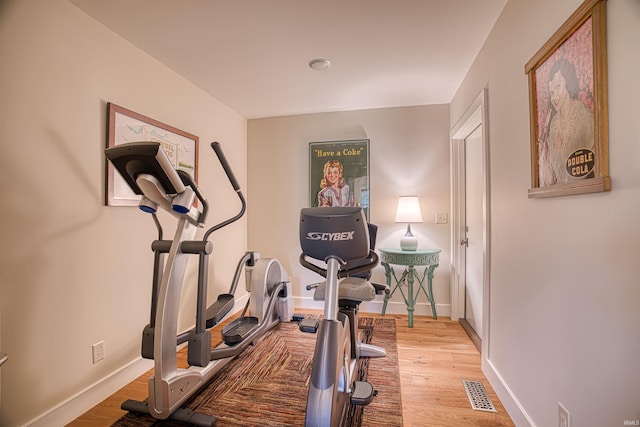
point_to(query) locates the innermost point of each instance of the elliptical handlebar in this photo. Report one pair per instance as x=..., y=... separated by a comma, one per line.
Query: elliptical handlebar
x=188, y=180
x=225, y=165
x=148, y=171
x=234, y=183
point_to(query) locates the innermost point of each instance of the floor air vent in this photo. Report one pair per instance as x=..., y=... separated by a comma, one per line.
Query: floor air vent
x=478, y=396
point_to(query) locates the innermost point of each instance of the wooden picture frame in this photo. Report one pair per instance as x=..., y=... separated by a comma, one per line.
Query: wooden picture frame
x=568, y=107
x=127, y=126
x=350, y=159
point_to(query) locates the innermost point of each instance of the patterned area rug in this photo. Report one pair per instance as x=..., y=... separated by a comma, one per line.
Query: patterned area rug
x=267, y=384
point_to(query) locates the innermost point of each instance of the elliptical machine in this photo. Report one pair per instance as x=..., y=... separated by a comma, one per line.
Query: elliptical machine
x=147, y=170
x=339, y=237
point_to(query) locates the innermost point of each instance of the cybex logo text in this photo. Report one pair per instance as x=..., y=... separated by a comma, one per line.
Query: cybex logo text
x=344, y=235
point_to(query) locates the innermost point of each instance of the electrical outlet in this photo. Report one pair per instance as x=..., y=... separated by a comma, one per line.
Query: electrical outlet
x=442, y=218
x=98, y=351
x=563, y=416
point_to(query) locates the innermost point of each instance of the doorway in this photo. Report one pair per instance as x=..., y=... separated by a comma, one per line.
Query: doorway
x=470, y=223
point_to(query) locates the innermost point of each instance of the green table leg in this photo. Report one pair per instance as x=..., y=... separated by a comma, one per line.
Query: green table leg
x=428, y=276
x=430, y=296
x=411, y=299
x=387, y=297
x=384, y=304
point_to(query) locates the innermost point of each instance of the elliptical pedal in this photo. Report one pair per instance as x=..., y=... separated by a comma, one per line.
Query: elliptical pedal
x=362, y=393
x=219, y=309
x=236, y=331
x=182, y=415
x=309, y=325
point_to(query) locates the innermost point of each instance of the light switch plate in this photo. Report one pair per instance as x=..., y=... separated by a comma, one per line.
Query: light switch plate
x=442, y=218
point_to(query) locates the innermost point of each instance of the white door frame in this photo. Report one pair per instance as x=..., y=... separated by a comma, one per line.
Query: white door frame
x=476, y=115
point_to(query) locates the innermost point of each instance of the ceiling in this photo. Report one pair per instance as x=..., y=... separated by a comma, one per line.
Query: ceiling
x=253, y=55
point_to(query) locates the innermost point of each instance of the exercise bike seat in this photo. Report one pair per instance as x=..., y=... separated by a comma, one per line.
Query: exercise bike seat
x=351, y=288
x=356, y=288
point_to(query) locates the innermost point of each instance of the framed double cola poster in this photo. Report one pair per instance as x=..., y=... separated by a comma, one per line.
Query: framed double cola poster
x=568, y=107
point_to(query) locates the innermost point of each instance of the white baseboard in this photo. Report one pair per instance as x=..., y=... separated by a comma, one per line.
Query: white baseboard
x=513, y=407
x=86, y=399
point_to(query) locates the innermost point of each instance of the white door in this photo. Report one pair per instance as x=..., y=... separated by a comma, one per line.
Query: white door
x=473, y=246
x=470, y=223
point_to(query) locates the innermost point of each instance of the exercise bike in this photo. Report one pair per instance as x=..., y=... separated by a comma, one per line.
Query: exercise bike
x=338, y=237
x=147, y=170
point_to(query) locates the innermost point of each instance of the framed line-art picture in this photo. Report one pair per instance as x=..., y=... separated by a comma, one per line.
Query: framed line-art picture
x=568, y=107
x=127, y=126
x=339, y=174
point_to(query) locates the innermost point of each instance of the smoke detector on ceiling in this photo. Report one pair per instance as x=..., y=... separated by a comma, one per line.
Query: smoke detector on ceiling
x=320, y=64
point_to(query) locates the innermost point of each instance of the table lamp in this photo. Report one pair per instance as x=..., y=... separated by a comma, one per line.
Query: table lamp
x=408, y=211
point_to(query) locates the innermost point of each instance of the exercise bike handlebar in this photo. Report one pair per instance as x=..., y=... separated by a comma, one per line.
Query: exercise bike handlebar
x=234, y=183
x=372, y=261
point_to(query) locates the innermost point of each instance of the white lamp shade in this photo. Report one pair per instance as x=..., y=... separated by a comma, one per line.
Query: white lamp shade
x=408, y=209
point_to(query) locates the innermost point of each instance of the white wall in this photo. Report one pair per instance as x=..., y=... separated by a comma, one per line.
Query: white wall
x=565, y=323
x=74, y=272
x=409, y=154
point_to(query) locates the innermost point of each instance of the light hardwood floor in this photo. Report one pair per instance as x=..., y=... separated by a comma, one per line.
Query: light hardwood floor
x=435, y=356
